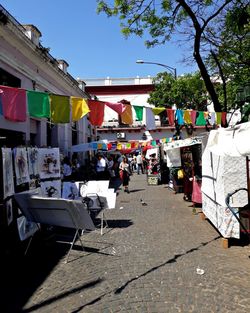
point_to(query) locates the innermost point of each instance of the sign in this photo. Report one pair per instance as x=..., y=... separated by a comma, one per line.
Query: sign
x=120, y=135
x=152, y=179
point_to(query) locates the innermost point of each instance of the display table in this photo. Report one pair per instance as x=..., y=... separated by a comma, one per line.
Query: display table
x=153, y=179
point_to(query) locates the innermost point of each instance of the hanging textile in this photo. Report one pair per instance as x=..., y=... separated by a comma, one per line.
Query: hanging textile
x=201, y=119
x=38, y=104
x=79, y=108
x=96, y=114
x=211, y=118
x=13, y=103
x=223, y=118
x=179, y=117
x=60, y=109
x=126, y=116
x=218, y=118
x=119, y=146
x=157, y=111
x=150, y=119
x=138, y=112
x=170, y=113
x=187, y=117
x=193, y=114
x=117, y=107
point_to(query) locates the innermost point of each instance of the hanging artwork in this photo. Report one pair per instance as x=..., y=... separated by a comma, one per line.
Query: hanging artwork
x=8, y=181
x=9, y=211
x=48, y=162
x=26, y=228
x=33, y=161
x=21, y=166
x=70, y=191
x=51, y=189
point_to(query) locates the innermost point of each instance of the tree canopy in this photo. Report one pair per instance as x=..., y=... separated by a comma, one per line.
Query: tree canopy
x=188, y=91
x=197, y=21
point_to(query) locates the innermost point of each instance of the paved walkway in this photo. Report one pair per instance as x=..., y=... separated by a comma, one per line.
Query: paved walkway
x=146, y=262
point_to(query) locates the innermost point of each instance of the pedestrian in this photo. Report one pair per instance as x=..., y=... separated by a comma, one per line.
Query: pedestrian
x=111, y=167
x=100, y=167
x=139, y=164
x=125, y=173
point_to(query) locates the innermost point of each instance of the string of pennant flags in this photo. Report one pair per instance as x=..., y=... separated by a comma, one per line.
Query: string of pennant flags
x=16, y=104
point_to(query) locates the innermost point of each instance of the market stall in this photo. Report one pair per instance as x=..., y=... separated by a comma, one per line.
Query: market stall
x=225, y=168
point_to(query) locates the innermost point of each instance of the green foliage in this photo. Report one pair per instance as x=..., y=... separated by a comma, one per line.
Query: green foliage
x=187, y=91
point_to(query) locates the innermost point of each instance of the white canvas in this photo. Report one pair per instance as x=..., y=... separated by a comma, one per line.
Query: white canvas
x=174, y=157
x=21, y=165
x=49, y=162
x=33, y=161
x=150, y=119
x=51, y=189
x=70, y=191
x=26, y=228
x=8, y=174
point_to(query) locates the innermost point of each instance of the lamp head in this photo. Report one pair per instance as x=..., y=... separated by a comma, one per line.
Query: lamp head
x=140, y=61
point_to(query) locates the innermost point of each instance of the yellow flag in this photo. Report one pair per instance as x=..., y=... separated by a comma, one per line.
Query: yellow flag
x=79, y=108
x=218, y=118
x=187, y=117
x=126, y=116
x=60, y=109
x=157, y=111
x=119, y=146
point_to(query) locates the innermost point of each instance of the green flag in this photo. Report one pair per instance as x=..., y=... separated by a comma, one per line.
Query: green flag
x=200, y=121
x=38, y=104
x=138, y=112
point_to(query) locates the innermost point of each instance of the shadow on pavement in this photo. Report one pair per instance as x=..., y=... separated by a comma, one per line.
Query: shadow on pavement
x=21, y=275
x=119, y=223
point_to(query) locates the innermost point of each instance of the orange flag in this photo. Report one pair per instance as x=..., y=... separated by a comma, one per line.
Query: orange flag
x=126, y=116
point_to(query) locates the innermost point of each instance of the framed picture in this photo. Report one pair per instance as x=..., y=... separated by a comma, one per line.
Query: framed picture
x=8, y=174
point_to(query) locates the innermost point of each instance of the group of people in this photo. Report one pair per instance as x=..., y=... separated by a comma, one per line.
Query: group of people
x=106, y=167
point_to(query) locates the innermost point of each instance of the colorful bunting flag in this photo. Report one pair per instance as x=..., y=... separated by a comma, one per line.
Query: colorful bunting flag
x=218, y=118
x=96, y=114
x=138, y=112
x=117, y=107
x=150, y=119
x=211, y=118
x=38, y=104
x=179, y=117
x=1, y=106
x=13, y=103
x=193, y=114
x=200, y=121
x=79, y=108
x=157, y=111
x=60, y=109
x=187, y=117
x=170, y=113
x=223, y=118
x=126, y=116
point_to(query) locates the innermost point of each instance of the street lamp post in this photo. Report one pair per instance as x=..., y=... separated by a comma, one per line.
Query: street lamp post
x=171, y=69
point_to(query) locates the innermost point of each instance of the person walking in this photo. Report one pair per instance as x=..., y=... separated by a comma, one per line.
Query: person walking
x=139, y=164
x=125, y=173
x=100, y=167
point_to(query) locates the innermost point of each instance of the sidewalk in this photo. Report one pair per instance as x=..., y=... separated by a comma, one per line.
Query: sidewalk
x=146, y=261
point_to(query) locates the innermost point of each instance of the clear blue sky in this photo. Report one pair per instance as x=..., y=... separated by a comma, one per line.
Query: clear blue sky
x=92, y=44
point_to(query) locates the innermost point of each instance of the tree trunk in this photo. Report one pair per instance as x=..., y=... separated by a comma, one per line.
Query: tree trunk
x=224, y=84
x=204, y=73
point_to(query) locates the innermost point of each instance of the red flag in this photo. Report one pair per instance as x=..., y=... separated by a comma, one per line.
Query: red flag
x=223, y=118
x=193, y=116
x=96, y=114
x=170, y=113
x=13, y=103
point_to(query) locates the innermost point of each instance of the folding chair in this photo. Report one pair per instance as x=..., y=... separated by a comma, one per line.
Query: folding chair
x=57, y=212
x=95, y=205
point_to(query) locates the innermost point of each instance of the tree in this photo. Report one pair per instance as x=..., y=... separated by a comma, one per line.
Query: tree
x=191, y=18
x=187, y=91
x=230, y=52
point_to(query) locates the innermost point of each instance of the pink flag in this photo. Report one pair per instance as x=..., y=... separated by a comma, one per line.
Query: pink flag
x=13, y=103
x=117, y=107
x=193, y=116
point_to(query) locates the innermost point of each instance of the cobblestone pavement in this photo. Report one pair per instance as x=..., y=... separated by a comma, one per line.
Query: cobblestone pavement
x=146, y=261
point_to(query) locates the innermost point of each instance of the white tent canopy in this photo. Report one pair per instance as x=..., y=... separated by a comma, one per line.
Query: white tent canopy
x=231, y=141
x=91, y=146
